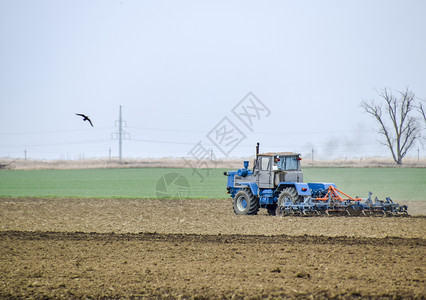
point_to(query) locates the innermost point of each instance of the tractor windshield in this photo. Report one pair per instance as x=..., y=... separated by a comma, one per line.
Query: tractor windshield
x=286, y=162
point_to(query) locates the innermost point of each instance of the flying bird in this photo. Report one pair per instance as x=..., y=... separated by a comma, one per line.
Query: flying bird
x=85, y=118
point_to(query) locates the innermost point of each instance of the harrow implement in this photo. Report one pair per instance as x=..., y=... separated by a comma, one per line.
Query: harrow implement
x=331, y=202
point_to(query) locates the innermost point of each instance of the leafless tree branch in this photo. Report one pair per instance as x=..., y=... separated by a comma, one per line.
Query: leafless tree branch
x=422, y=111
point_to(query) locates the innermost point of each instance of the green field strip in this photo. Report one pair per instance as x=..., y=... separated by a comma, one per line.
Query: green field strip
x=398, y=183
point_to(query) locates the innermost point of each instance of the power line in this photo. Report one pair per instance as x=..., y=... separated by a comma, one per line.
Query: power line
x=52, y=131
x=56, y=144
x=163, y=142
x=169, y=129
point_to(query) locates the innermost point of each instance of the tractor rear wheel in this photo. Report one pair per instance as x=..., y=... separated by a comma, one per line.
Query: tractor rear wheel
x=245, y=203
x=287, y=194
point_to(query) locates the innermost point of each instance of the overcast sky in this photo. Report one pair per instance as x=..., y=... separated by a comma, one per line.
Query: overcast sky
x=203, y=76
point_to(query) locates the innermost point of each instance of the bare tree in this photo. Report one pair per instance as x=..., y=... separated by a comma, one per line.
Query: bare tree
x=403, y=131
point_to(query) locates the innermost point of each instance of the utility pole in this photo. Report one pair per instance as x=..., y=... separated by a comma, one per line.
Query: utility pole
x=120, y=135
x=312, y=155
x=25, y=154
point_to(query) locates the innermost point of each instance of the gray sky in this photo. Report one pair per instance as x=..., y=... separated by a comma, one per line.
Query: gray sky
x=178, y=68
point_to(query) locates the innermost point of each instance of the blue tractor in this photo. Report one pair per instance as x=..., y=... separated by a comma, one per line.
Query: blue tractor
x=276, y=183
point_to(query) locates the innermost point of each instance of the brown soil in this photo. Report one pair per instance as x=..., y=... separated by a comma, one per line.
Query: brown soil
x=116, y=248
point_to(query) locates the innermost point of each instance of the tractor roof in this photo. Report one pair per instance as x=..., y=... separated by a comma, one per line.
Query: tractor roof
x=279, y=154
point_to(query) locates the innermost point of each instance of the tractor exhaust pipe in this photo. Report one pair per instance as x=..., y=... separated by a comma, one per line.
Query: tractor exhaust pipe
x=255, y=160
x=257, y=150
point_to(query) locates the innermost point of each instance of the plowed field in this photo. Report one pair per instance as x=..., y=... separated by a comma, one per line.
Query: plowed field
x=117, y=248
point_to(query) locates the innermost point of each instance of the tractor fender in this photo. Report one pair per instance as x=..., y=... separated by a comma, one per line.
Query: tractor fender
x=301, y=187
x=253, y=186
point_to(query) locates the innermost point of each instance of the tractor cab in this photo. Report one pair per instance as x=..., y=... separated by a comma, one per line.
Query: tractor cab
x=271, y=169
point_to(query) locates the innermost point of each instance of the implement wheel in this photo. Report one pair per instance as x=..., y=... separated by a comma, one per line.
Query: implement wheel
x=245, y=203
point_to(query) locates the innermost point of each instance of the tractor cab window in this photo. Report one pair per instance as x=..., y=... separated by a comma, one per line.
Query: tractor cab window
x=291, y=163
x=285, y=163
x=265, y=164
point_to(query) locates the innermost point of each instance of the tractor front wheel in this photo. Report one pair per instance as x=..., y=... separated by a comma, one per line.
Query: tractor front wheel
x=245, y=203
